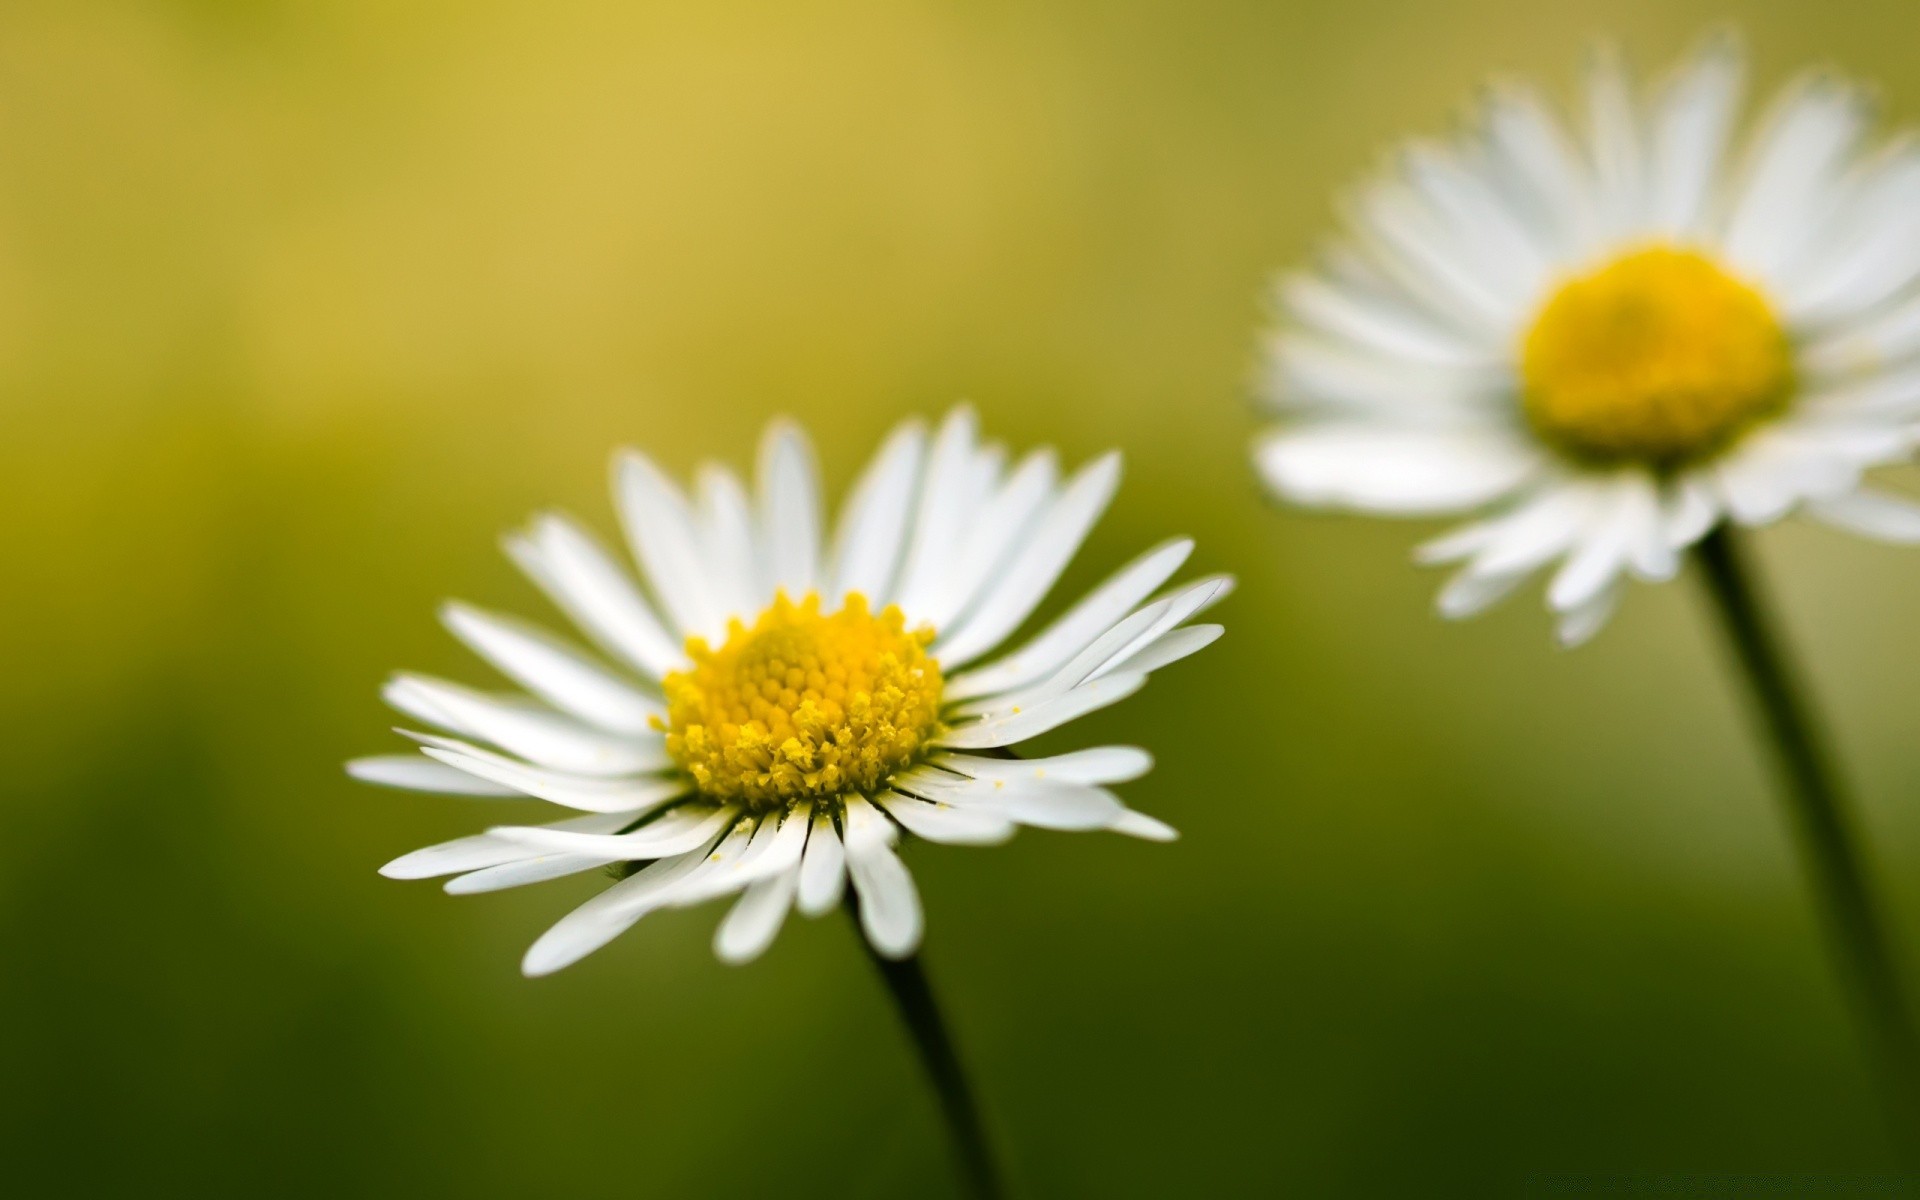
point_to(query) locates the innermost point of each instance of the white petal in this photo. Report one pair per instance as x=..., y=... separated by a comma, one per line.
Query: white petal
x=1626, y=514
x=1098, y=764
x=1107, y=652
x=1430, y=262
x=1390, y=470
x=566, y=563
x=1771, y=470
x=864, y=825
x=608, y=915
x=1140, y=825
x=674, y=833
x=1036, y=565
x=823, y=871
x=1171, y=647
x=1541, y=171
x=1538, y=530
x=790, y=508
x=484, y=850
x=1042, y=803
x=1583, y=622
x=1377, y=322
x=541, y=736
x=1472, y=592
x=937, y=822
x=755, y=919
x=1873, y=514
x=997, y=529
x=1868, y=249
x=1838, y=358
x=586, y=793
x=1499, y=240
x=666, y=540
x=732, y=550
x=873, y=526
x=1030, y=723
x=1619, y=164
x=944, y=491
x=775, y=849
x=1054, y=646
x=411, y=772
x=519, y=874
x=1799, y=151
x=1691, y=510
x=1692, y=120
x=560, y=674
x=1311, y=376
x=889, y=906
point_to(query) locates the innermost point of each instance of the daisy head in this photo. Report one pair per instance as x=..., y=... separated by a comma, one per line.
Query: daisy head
x=776, y=708
x=1604, y=337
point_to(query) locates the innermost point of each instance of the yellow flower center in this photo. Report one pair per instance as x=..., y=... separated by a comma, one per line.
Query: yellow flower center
x=1660, y=357
x=803, y=705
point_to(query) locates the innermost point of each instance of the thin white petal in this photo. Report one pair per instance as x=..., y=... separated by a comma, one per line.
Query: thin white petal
x=1389, y=470
x=937, y=822
x=548, y=667
x=1693, y=117
x=537, y=734
x=732, y=549
x=1032, y=722
x=1075, y=630
x=675, y=833
x=608, y=915
x=484, y=850
x=519, y=874
x=666, y=540
x=790, y=507
x=890, y=911
x=754, y=920
x=1800, y=150
x=586, y=793
x=1140, y=825
x=944, y=490
x=1097, y=764
x=584, y=581
x=823, y=872
x=1872, y=514
x=997, y=529
x=1171, y=647
x=1583, y=622
x=1042, y=803
x=873, y=526
x=413, y=773
x=1619, y=163
x=1036, y=565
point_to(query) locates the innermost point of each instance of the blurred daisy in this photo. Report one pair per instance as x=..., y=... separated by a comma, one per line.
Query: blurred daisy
x=777, y=708
x=1609, y=341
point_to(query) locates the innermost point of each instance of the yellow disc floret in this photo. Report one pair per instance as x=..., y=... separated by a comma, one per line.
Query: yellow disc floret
x=1660, y=357
x=802, y=705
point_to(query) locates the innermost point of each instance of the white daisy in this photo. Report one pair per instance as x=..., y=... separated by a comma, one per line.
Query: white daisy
x=1607, y=342
x=777, y=708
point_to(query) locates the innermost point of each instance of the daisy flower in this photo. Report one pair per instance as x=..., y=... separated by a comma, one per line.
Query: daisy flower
x=781, y=705
x=1606, y=340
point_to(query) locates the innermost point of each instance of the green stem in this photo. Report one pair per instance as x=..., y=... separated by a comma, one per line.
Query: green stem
x=913, y=998
x=1820, y=818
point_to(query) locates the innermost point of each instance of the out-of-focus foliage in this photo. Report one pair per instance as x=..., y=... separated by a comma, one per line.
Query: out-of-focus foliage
x=302, y=303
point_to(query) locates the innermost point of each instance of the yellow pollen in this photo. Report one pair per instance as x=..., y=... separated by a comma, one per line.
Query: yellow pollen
x=803, y=705
x=1659, y=357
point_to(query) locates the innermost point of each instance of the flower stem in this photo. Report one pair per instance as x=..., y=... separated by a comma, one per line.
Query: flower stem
x=1820, y=818
x=913, y=998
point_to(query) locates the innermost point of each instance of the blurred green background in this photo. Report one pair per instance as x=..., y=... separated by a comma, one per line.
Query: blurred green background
x=302, y=303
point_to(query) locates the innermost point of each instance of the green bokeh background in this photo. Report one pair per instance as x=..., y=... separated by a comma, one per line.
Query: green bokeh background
x=302, y=303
